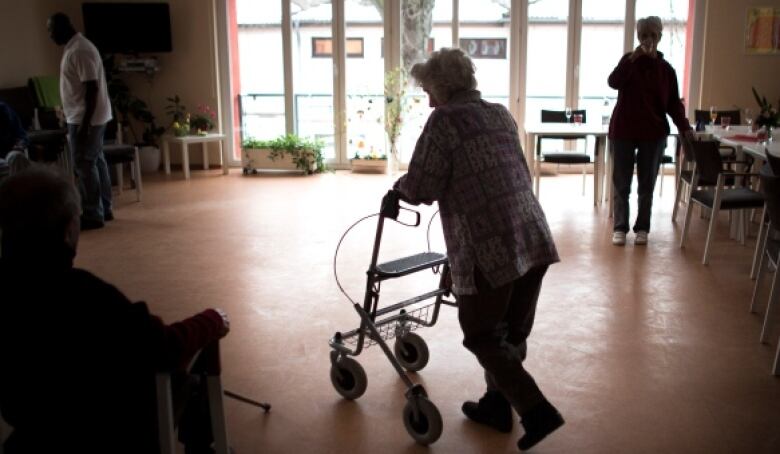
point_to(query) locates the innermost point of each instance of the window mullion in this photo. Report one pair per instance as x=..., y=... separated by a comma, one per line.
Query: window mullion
x=289, y=98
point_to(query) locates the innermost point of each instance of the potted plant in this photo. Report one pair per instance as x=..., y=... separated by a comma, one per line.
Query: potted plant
x=288, y=152
x=369, y=163
x=130, y=112
x=203, y=120
x=180, y=119
x=768, y=115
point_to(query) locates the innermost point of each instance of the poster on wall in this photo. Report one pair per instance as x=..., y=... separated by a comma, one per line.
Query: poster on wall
x=762, y=33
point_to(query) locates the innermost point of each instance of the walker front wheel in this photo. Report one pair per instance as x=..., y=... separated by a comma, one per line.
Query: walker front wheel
x=348, y=377
x=426, y=426
x=411, y=352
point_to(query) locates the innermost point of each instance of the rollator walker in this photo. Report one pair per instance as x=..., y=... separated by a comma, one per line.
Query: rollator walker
x=395, y=321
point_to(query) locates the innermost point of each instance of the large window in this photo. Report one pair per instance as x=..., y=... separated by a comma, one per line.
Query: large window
x=484, y=35
x=365, y=82
x=546, y=69
x=600, y=50
x=262, y=91
x=312, y=77
x=555, y=74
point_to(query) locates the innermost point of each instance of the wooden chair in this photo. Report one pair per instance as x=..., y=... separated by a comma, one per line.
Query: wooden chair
x=558, y=156
x=708, y=168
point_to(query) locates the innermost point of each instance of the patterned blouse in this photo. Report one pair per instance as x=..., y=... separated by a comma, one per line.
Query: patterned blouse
x=469, y=159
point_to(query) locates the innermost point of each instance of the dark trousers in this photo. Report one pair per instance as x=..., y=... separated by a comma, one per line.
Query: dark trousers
x=92, y=171
x=496, y=323
x=647, y=155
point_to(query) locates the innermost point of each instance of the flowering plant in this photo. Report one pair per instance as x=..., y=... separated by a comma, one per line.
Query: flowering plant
x=395, y=104
x=203, y=120
x=768, y=115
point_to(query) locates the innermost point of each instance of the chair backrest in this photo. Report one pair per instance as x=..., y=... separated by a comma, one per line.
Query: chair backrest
x=770, y=186
x=709, y=163
x=559, y=116
x=774, y=164
x=704, y=116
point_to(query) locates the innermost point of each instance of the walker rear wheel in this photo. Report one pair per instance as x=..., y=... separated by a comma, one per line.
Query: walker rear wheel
x=411, y=352
x=348, y=377
x=427, y=426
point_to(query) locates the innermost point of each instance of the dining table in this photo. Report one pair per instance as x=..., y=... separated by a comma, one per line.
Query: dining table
x=562, y=130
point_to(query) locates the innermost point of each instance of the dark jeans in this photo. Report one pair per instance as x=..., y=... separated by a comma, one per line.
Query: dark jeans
x=647, y=155
x=496, y=323
x=92, y=172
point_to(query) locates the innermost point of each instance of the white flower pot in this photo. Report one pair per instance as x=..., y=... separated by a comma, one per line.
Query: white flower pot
x=150, y=159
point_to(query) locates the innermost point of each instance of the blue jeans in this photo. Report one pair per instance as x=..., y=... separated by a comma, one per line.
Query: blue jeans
x=647, y=155
x=92, y=172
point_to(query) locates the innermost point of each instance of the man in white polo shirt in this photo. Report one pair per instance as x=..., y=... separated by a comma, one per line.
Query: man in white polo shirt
x=87, y=110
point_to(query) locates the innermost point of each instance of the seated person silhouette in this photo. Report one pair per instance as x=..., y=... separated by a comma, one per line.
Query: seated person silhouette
x=13, y=141
x=78, y=358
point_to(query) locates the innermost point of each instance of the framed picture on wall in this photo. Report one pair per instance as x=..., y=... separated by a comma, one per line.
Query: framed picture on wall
x=762, y=32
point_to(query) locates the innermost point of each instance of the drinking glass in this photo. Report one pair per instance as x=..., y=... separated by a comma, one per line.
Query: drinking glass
x=713, y=115
x=725, y=121
x=568, y=114
x=578, y=119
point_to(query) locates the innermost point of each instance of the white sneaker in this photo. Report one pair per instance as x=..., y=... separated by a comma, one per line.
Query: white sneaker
x=641, y=238
x=618, y=238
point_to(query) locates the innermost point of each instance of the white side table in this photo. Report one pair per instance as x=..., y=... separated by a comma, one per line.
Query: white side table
x=185, y=141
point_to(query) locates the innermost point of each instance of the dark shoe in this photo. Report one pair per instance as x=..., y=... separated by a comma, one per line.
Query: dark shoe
x=538, y=422
x=91, y=224
x=492, y=410
x=108, y=216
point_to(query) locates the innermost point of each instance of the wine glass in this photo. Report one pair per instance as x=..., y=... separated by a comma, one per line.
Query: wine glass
x=713, y=115
x=749, y=119
x=568, y=115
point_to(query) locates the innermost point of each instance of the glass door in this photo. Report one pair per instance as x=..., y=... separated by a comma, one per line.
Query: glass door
x=262, y=113
x=601, y=47
x=547, y=50
x=312, y=58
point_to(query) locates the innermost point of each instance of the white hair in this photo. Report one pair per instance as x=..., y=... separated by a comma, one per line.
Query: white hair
x=650, y=21
x=447, y=71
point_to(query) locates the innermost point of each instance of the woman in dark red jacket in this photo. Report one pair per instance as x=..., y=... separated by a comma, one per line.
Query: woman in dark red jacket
x=647, y=91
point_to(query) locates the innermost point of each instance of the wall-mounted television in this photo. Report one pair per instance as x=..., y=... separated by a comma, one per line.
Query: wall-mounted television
x=128, y=28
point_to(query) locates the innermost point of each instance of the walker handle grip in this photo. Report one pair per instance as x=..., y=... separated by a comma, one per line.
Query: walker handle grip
x=390, y=204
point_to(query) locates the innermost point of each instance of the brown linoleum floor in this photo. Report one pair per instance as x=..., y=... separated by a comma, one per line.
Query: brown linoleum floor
x=643, y=349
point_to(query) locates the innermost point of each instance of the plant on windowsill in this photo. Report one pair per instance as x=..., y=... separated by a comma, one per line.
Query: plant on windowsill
x=288, y=152
x=369, y=163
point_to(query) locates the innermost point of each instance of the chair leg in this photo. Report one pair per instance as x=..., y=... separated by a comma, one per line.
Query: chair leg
x=583, y=179
x=537, y=176
x=776, y=367
x=686, y=222
x=136, y=166
x=165, y=414
x=713, y=223
x=763, y=233
x=769, y=306
x=217, y=409
x=120, y=178
x=661, y=176
x=677, y=194
x=757, y=285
